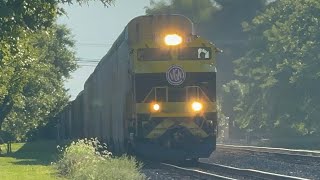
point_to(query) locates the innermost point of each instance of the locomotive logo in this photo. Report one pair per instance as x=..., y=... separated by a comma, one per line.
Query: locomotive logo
x=203, y=53
x=175, y=75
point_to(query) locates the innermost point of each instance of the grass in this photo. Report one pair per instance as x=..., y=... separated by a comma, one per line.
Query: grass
x=29, y=161
x=33, y=161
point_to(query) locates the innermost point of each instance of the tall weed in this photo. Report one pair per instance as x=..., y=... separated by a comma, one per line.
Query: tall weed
x=86, y=159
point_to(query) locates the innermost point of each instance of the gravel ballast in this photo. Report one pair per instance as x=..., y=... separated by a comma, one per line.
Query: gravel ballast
x=266, y=162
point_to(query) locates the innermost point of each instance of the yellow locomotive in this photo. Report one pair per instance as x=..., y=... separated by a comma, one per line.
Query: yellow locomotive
x=154, y=92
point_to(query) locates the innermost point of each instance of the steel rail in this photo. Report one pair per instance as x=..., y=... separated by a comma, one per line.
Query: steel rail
x=280, y=151
x=195, y=173
x=245, y=172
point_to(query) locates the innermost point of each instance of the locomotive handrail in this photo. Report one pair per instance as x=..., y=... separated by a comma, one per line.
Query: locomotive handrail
x=198, y=88
x=147, y=96
x=153, y=92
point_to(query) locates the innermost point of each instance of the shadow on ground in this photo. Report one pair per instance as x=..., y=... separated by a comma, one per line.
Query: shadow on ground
x=36, y=153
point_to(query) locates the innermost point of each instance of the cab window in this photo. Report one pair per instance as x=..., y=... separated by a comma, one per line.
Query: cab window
x=154, y=54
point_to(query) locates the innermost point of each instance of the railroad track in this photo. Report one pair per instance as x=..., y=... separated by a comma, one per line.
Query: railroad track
x=193, y=172
x=206, y=170
x=215, y=171
x=304, y=157
x=280, y=151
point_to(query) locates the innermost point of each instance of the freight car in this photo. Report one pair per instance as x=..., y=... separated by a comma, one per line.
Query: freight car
x=154, y=92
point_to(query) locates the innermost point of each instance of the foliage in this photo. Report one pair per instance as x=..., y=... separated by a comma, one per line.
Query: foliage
x=223, y=123
x=83, y=160
x=35, y=57
x=31, y=14
x=20, y=17
x=197, y=11
x=32, y=79
x=279, y=74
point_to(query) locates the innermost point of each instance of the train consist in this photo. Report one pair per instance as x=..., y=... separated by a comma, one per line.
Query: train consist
x=154, y=92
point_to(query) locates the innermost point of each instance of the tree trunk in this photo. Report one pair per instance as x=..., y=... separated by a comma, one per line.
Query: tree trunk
x=5, y=109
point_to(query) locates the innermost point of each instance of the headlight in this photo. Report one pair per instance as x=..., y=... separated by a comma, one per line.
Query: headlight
x=196, y=106
x=156, y=107
x=172, y=39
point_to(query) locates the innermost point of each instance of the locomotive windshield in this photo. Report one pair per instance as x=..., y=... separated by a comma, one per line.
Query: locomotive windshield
x=154, y=54
x=186, y=53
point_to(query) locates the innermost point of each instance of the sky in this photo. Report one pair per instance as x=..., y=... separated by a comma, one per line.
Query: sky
x=95, y=28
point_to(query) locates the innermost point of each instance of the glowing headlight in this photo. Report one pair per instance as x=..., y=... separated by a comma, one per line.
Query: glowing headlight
x=172, y=39
x=156, y=107
x=196, y=106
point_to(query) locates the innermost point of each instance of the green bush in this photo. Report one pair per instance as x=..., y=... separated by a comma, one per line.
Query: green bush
x=86, y=159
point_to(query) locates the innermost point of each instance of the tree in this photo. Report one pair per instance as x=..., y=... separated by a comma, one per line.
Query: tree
x=198, y=11
x=18, y=17
x=35, y=57
x=281, y=70
x=33, y=89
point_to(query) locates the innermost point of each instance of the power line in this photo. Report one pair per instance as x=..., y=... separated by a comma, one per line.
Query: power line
x=87, y=65
x=80, y=58
x=87, y=62
x=83, y=60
